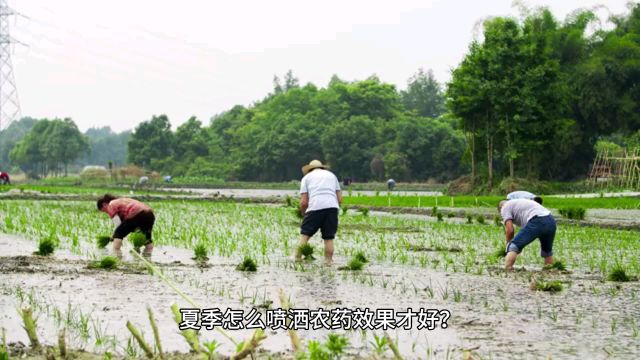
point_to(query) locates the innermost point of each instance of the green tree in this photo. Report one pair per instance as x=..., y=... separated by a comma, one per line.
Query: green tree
x=151, y=140
x=424, y=95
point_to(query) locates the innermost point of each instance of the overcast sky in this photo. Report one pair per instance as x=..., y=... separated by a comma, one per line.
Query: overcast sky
x=118, y=62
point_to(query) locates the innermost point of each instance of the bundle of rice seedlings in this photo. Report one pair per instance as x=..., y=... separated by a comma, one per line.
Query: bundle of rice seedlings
x=618, y=274
x=557, y=265
x=46, y=246
x=550, y=286
x=200, y=253
x=138, y=239
x=361, y=257
x=102, y=241
x=306, y=250
x=480, y=219
x=248, y=264
x=355, y=265
x=107, y=263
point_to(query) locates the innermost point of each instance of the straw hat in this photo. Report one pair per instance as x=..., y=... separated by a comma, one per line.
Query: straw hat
x=314, y=164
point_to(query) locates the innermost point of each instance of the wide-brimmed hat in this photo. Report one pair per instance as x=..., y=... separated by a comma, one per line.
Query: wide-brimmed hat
x=314, y=164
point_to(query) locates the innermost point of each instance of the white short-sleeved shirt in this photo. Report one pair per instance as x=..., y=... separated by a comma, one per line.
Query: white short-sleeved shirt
x=321, y=185
x=520, y=195
x=520, y=211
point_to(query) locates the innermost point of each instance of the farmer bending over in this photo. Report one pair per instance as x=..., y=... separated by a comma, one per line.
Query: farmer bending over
x=535, y=222
x=319, y=203
x=524, y=195
x=128, y=215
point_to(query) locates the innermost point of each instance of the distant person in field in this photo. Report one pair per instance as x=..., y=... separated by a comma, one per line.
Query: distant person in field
x=4, y=178
x=391, y=184
x=524, y=195
x=320, y=198
x=535, y=222
x=128, y=215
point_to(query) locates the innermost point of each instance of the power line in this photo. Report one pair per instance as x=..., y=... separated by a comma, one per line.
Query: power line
x=9, y=102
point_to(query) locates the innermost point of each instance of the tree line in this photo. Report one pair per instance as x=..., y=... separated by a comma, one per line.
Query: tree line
x=533, y=97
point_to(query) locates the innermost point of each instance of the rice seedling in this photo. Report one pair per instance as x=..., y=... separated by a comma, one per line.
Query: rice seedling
x=29, y=325
x=618, y=274
x=361, y=257
x=200, y=253
x=46, y=246
x=573, y=213
x=379, y=343
x=306, y=250
x=138, y=239
x=336, y=344
x=102, y=241
x=107, y=263
x=4, y=350
x=247, y=264
x=550, y=286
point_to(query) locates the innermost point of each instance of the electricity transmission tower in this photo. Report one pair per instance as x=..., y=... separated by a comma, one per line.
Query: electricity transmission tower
x=9, y=103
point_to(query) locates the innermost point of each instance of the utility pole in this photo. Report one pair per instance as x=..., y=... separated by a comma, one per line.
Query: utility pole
x=9, y=103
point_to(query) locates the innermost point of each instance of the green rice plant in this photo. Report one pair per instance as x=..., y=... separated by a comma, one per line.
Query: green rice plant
x=107, y=263
x=361, y=257
x=618, y=274
x=355, y=265
x=200, y=253
x=29, y=325
x=573, y=212
x=550, y=286
x=480, y=219
x=247, y=264
x=46, y=246
x=102, y=241
x=4, y=351
x=557, y=265
x=336, y=344
x=306, y=250
x=379, y=344
x=138, y=239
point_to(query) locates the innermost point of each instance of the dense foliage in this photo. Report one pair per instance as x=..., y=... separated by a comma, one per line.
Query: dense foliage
x=535, y=96
x=362, y=129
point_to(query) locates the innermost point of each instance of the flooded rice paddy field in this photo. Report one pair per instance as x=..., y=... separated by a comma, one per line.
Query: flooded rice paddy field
x=413, y=263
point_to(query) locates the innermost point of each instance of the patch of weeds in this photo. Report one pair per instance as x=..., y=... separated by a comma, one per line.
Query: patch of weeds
x=306, y=250
x=248, y=264
x=46, y=246
x=102, y=241
x=557, y=265
x=107, y=263
x=550, y=286
x=573, y=213
x=618, y=274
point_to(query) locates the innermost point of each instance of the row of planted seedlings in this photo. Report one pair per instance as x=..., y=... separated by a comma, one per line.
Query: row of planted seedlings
x=270, y=233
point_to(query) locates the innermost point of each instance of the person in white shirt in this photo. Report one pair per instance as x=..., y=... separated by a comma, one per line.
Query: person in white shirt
x=524, y=195
x=320, y=198
x=535, y=222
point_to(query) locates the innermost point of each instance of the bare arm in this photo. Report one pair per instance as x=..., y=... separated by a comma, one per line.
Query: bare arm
x=339, y=196
x=304, y=203
x=508, y=230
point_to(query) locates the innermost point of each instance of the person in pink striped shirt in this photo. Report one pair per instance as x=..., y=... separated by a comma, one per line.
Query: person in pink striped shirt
x=128, y=215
